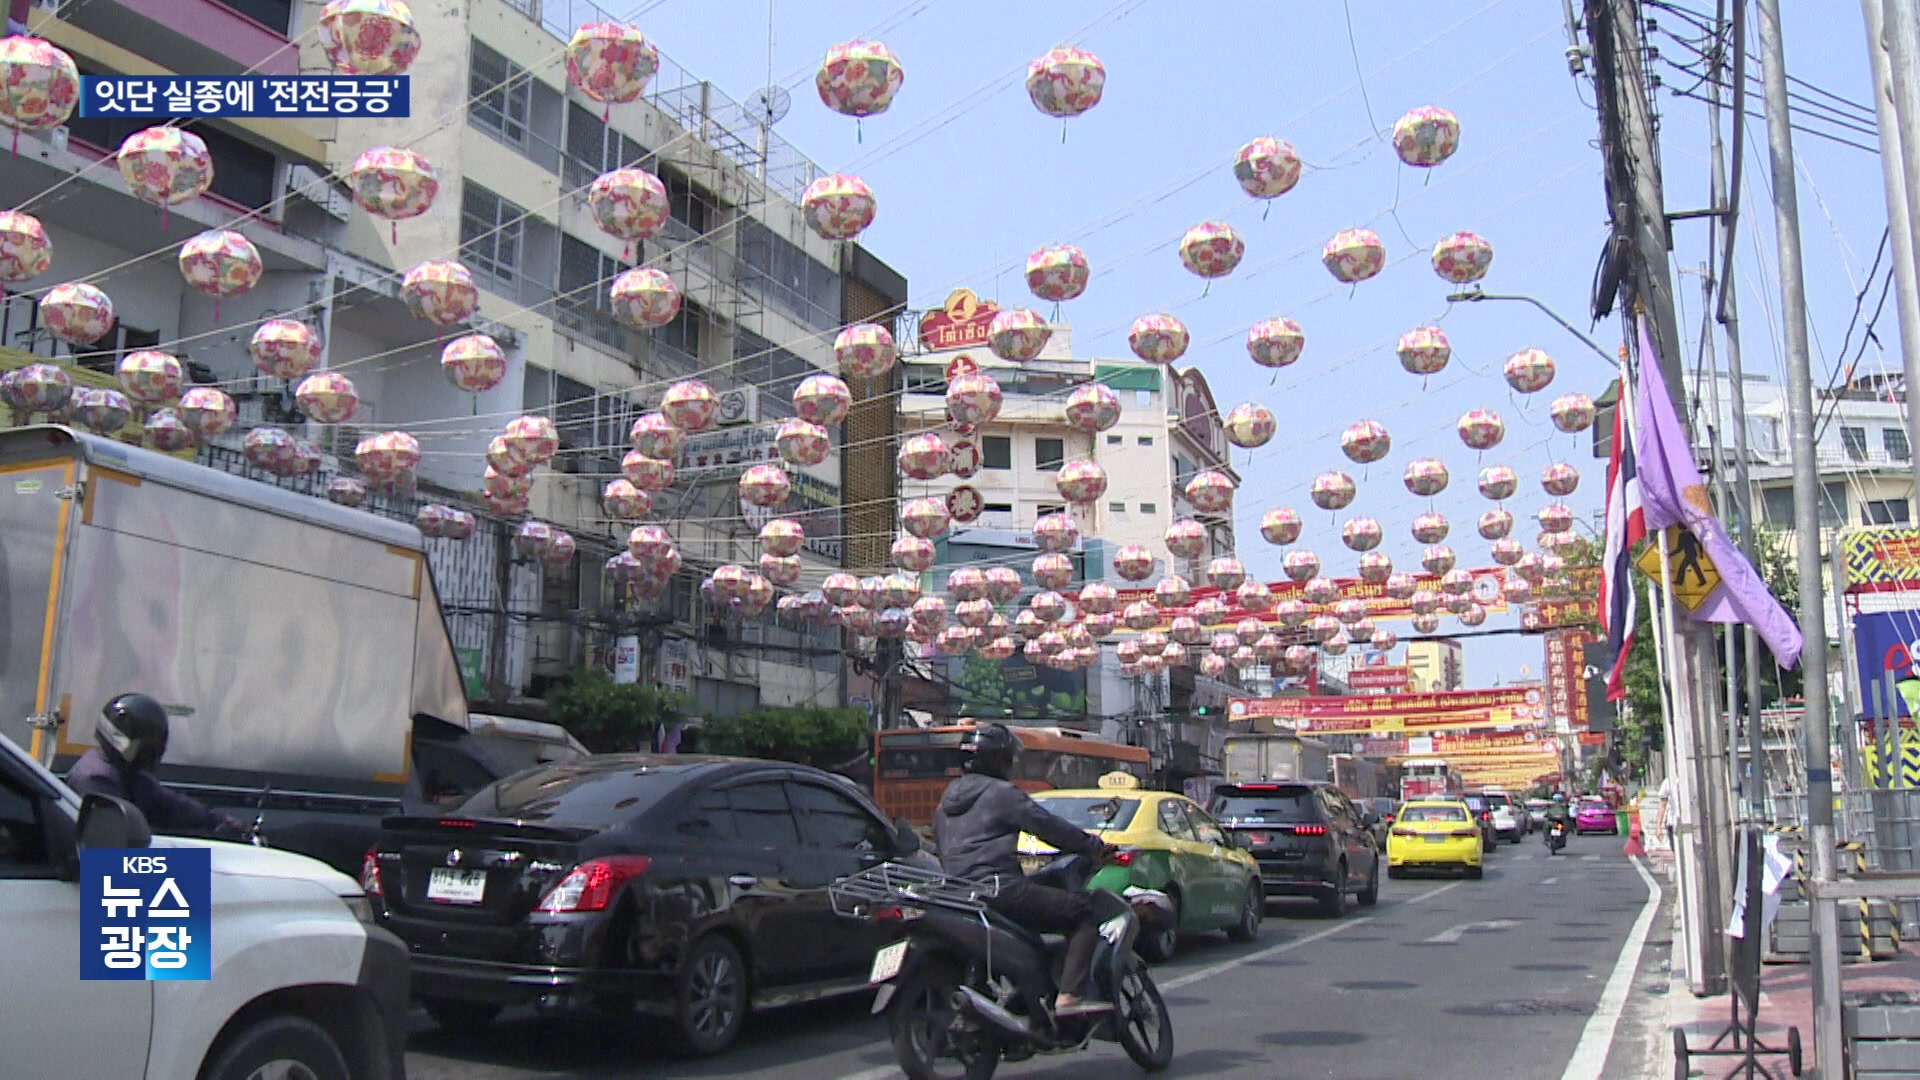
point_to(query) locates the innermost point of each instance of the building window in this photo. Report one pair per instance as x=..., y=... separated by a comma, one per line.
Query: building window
x=491, y=230
x=1050, y=508
x=594, y=147
x=1149, y=508
x=1854, y=440
x=1885, y=512
x=582, y=303
x=687, y=204
x=996, y=452
x=1117, y=507
x=1895, y=440
x=1183, y=470
x=681, y=336
x=275, y=15
x=1145, y=440
x=1116, y=440
x=500, y=94
x=997, y=508
x=806, y=288
x=1049, y=454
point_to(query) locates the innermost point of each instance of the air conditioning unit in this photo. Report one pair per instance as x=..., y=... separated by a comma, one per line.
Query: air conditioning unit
x=740, y=405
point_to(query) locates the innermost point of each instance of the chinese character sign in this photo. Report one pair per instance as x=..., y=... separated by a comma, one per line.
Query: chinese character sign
x=177, y=96
x=145, y=914
x=1567, y=676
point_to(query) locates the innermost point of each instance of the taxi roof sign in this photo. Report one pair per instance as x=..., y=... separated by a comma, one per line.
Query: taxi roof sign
x=1119, y=781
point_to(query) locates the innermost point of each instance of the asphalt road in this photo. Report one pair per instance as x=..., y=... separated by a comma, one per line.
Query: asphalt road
x=1443, y=978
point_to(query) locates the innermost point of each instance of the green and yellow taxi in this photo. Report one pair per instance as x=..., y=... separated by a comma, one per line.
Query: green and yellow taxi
x=1434, y=834
x=1168, y=843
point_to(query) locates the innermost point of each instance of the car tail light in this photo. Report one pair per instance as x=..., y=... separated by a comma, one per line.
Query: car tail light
x=1259, y=787
x=1259, y=839
x=591, y=885
x=1309, y=830
x=1485, y=816
x=456, y=823
x=1405, y=832
x=1463, y=834
x=370, y=873
x=1124, y=857
x=895, y=914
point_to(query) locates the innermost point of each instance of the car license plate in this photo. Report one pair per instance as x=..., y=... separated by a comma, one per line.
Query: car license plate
x=457, y=886
x=1434, y=838
x=886, y=962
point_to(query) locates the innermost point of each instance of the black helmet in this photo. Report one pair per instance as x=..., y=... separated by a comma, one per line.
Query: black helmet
x=133, y=727
x=992, y=750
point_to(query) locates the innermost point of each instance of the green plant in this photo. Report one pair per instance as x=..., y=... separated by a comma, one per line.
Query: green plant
x=610, y=717
x=807, y=734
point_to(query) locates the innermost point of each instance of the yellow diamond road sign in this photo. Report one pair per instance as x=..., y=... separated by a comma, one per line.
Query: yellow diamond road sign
x=1693, y=573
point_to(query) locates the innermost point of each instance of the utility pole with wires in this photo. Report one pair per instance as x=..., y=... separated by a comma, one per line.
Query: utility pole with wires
x=1891, y=50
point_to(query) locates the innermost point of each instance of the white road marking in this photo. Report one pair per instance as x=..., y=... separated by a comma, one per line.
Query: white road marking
x=1453, y=934
x=1549, y=881
x=1590, y=1056
x=1590, y=858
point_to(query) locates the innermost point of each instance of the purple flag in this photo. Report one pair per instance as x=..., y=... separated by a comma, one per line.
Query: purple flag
x=1671, y=493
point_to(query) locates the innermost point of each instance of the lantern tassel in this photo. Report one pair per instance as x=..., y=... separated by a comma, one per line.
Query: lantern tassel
x=16, y=142
x=216, y=310
x=1207, y=288
x=606, y=112
x=859, y=131
x=1063, y=133
x=163, y=217
x=395, y=226
x=1268, y=210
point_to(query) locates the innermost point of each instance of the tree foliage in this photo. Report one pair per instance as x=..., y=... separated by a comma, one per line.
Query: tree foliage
x=610, y=717
x=807, y=734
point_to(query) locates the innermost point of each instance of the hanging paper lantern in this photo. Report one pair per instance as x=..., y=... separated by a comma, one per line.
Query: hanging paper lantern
x=690, y=405
x=654, y=436
x=1430, y=528
x=393, y=184
x=1426, y=477
x=859, y=621
x=327, y=397
x=1226, y=573
x=765, y=485
x=74, y=312
x=41, y=388
x=628, y=204
x=1003, y=584
x=975, y=613
x=1098, y=626
x=1266, y=167
x=1456, y=582
x=781, y=570
x=1425, y=602
x=1254, y=595
x=1495, y=524
x=1055, y=532
x=389, y=457
x=368, y=37
x=1402, y=586
x=1292, y=613
x=1096, y=598
x=269, y=448
x=730, y=582
x=782, y=536
x=913, y=553
x=346, y=491
x=1552, y=565
x=1426, y=136
x=1482, y=430
x=165, y=166
x=474, y=363
x=865, y=350
x=995, y=649
x=1211, y=249
x=1058, y=272
x=973, y=399
x=440, y=292
x=838, y=207
x=1462, y=257
x=650, y=544
x=1473, y=616
x=1158, y=338
x=923, y=457
x=1093, y=408
x=284, y=348
x=25, y=251
x=822, y=399
x=1498, y=482
x=1507, y=551
x=859, y=78
x=1281, y=526
x=1081, y=481
x=1275, y=343
x=644, y=298
x=1557, y=518
x=1517, y=591
x=1560, y=479
x=1018, y=334
x=801, y=443
x=1529, y=568
x=1350, y=611
x=1529, y=370
x=622, y=498
x=505, y=485
x=1224, y=644
x=1354, y=255
x=646, y=473
x=1066, y=81
x=167, y=433
x=1321, y=591
x=1375, y=568
x=1324, y=628
x=611, y=62
x=1128, y=652
x=967, y=583
x=1048, y=606
x=1332, y=490
x=1426, y=624
x=100, y=410
x=1133, y=562
x=532, y=440
x=925, y=517
x=1383, y=640
x=1301, y=565
x=1052, y=570
x=1573, y=413
x=1268, y=648
x=220, y=262
x=840, y=589
x=1250, y=425
x=150, y=377
x=209, y=412
x=1366, y=442
x=1438, y=559
x=1213, y=666
x=1211, y=491
x=1424, y=350
x=42, y=84
x=1362, y=534
x=433, y=518
x=1172, y=592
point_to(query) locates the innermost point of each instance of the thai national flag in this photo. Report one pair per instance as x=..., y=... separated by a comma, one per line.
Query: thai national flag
x=1626, y=526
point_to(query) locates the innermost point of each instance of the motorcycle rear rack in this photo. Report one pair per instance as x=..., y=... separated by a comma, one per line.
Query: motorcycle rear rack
x=902, y=885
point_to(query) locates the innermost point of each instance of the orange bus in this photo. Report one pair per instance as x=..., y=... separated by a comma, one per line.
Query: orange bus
x=913, y=766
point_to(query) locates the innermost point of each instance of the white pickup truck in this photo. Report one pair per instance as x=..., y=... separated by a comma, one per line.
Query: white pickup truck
x=302, y=984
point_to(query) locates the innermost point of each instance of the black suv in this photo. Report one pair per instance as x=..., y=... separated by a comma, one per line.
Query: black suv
x=691, y=888
x=1307, y=836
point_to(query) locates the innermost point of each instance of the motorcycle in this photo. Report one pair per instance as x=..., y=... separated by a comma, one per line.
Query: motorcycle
x=968, y=988
x=1556, y=836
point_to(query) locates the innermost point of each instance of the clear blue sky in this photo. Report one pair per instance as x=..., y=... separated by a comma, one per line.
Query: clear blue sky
x=970, y=177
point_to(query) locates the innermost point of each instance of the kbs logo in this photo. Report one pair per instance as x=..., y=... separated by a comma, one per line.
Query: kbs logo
x=145, y=915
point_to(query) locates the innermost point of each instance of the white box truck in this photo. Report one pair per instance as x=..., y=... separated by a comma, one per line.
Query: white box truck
x=1253, y=758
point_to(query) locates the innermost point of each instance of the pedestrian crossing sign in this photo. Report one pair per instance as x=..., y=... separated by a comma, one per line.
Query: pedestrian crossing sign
x=1694, y=575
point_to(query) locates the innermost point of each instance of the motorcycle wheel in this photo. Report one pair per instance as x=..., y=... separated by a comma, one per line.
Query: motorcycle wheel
x=930, y=1038
x=1145, y=1031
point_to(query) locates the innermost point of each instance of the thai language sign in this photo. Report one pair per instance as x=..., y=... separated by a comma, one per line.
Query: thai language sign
x=1415, y=713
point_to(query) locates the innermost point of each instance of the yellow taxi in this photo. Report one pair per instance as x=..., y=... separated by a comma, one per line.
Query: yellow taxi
x=1433, y=834
x=1167, y=842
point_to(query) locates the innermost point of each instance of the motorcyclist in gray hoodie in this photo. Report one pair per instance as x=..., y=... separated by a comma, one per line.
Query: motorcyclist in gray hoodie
x=977, y=829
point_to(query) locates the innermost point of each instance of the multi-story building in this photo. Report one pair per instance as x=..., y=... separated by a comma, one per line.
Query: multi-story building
x=514, y=148
x=1436, y=664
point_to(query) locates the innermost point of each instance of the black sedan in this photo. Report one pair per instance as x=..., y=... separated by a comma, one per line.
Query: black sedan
x=693, y=889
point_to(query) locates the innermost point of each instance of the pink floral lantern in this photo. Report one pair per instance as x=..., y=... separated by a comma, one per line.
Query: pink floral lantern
x=782, y=570
x=474, y=363
x=967, y=583
x=822, y=399
x=1456, y=582
x=858, y=621
x=1226, y=573
x=1172, y=592
x=975, y=613
x=1058, y=272
x=1495, y=524
x=1473, y=616
x=1211, y=491
x=621, y=498
x=1383, y=641
x=765, y=485
x=307, y=458
x=1003, y=584
x=1249, y=425
x=327, y=397
x=1055, y=532
x=1517, y=591
x=1268, y=648
x=1463, y=257
x=655, y=436
x=1560, y=479
x=865, y=350
x=1354, y=255
x=1081, y=481
x=1426, y=136
x=346, y=491
x=1498, y=482
x=1301, y=565
x=1211, y=611
x=644, y=298
x=1402, y=586
x=973, y=399
x=1375, y=567
x=532, y=439
x=1573, y=413
x=1066, y=81
x=690, y=405
x=995, y=649
x=1425, y=602
x=923, y=457
x=1426, y=477
x=649, y=544
x=1336, y=645
x=1362, y=534
x=782, y=536
x=75, y=312
x=646, y=473
x=838, y=207
x=1292, y=613
x=1224, y=644
x=42, y=85
x=1098, y=598
x=628, y=204
x=925, y=517
x=1482, y=429
x=953, y=641
x=859, y=78
x=393, y=184
x=610, y=62
x=269, y=448
x=1133, y=562
x=389, y=457
x=167, y=433
x=165, y=166
x=368, y=37
x=1332, y=491
x=1128, y=652
x=1052, y=570
x=1438, y=559
x=1552, y=565
x=1529, y=371
x=100, y=410
x=284, y=348
x=1426, y=624
x=1298, y=659
x=1557, y=518
x=1507, y=551
x=1324, y=628
x=1430, y=527
x=1174, y=655
x=1529, y=568
x=1424, y=350
x=1093, y=408
x=41, y=388
x=504, y=484
x=1280, y=526
x=840, y=589
x=801, y=443
x=1018, y=334
x=150, y=377
x=440, y=291
x=432, y=519
x=1266, y=167
x=25, y=251
x=1254, y=595
x=1048, y=607
x=731, y=581
x=1366, y=442
x=1350, y=611
x=1158, y=338
x=1211, y=249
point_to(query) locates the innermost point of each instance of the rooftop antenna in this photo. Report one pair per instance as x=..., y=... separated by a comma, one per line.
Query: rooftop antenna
x=768, y=105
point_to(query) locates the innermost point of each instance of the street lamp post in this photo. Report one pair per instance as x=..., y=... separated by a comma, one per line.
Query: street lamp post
x=1475, y=295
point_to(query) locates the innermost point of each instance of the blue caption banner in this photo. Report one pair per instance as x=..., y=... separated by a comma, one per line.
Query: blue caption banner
x=145, y=914
x=163, y=97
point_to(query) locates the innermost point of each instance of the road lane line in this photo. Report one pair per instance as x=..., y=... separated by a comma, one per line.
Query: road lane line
x=1453, y=934
x=1590, y=1056
x=1549, y=881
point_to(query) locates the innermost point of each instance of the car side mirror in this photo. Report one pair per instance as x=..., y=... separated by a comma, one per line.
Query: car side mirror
x=108, y=822
x=906, y=839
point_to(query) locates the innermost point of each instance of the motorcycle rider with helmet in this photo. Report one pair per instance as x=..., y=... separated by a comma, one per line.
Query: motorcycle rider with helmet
x=132, y=738
x=1559, y=814
x=977, y=829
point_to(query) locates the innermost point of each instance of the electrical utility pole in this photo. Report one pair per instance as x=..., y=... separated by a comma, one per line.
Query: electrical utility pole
x=1806, y=529
x=1641, y=236
x=1891, y=49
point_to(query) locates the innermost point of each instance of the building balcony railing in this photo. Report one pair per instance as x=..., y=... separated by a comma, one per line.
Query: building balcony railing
x=1841, y=457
